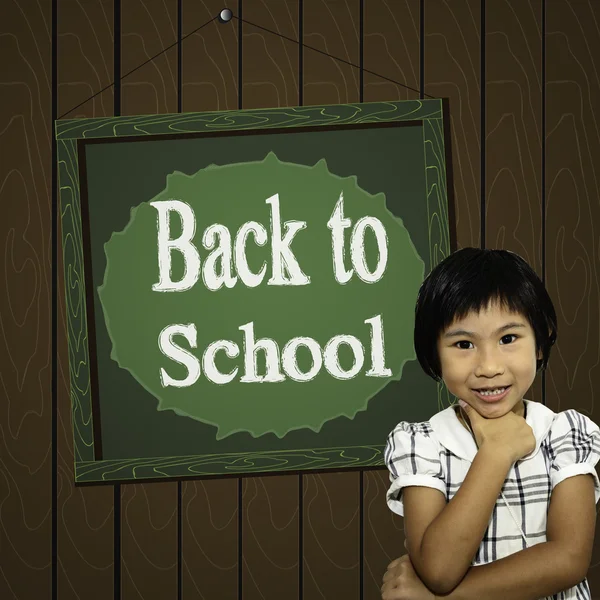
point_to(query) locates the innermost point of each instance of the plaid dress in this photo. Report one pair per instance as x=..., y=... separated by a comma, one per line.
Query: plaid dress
x=438, y=453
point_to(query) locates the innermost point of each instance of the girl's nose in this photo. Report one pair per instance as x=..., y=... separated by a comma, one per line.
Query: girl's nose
x=489, y=365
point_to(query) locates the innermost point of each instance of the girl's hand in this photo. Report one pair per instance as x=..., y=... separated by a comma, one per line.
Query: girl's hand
x=401, y=582
x=509, y=434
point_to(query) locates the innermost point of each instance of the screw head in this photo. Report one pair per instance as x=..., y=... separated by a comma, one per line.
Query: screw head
x=225, y=15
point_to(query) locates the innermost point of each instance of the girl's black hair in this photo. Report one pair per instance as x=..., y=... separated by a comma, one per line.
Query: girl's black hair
x=468, y=280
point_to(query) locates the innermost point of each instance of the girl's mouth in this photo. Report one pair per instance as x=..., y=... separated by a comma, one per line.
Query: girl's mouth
x=493, y=395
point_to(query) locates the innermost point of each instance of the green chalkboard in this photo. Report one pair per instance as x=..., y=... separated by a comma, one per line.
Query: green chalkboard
x=241, y=285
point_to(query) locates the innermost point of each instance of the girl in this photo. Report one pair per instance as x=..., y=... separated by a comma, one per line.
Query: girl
x=497, y=492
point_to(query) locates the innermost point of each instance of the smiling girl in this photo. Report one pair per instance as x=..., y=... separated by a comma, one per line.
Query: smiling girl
x=497, y=492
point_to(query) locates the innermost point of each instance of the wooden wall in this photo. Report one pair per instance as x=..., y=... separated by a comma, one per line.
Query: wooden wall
x=523, y=81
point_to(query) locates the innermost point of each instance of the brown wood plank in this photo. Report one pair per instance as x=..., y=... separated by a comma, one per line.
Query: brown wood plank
x=149, y=543
x=209, y=540
x=85, y=59
x=26, y=302
x=270, y=63
x=573, y=211
x=148, y=26
x=331, y=536
x=209, y=58
x=391, y=49
x=513, y=136
x=209, y=536
x=452, y=70
x=270, y=528
x=270, y=537
x=149, y=540
x=384, y=533
x=331, y=506
x=85, y=514
x=331, y=26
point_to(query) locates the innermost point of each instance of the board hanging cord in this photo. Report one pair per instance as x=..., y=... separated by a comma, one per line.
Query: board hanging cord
x=224, y=17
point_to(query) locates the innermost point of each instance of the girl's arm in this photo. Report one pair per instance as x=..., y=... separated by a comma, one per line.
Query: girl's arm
x=442, y=545
x=547, y=568
x=442, y=539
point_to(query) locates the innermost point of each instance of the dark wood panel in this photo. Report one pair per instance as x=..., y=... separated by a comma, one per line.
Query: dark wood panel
x=209, y=519
x=391, y=49
x=331, y=536
x=25, y=302
x=209, y=58
x=391, y=39
x=147, y=27
x=209, y=540
x=85, y=514
x=452, y=70
x=270, y=538
x=384, y=533
x=149, y=538
x=331, y=506
x=573, y=211
x=270, y=528
x=270, y=62
x=332, y=27
x=513, y=136
x=85, y=59
x=149, y=541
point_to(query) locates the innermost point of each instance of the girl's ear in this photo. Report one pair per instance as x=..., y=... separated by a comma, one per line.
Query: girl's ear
x=540, y=355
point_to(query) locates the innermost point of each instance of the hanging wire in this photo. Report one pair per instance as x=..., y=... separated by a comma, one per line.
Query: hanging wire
x=258, y=27
x=139, y=66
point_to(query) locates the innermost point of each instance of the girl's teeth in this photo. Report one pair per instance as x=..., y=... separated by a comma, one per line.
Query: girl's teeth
x=495, y=392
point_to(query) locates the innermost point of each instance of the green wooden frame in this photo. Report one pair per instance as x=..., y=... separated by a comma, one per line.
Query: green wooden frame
x=436, y=143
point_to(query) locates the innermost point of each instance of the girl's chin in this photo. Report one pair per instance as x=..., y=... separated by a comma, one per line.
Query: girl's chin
x=499, y=410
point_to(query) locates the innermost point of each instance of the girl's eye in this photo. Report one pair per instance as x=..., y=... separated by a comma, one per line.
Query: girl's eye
x=462, y=342
x=510, y=335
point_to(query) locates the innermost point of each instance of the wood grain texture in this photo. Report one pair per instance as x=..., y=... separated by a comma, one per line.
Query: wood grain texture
x=391, y=39
x=209, y=535
x=85, y=515
x=25, y=302
x=452, y=70
x=331, y=536
x=209, y=58
x=573, y=211
x=331, y=511
x=85, y=59
x=149, y=542
x=513, y=135
x=391, y=42
x=332, y=27
x=270, y=526
x=270, y=537
x=147, y=27
x=384, y=532
x=270, y=62
x=209, y=539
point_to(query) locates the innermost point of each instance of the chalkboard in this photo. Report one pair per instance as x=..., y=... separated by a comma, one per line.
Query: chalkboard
x=241, y=285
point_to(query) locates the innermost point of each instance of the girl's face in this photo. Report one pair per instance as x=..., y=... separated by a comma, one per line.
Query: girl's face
x=492, y=349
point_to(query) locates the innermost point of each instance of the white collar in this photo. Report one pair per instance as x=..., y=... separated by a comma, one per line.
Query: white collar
x=452, y=434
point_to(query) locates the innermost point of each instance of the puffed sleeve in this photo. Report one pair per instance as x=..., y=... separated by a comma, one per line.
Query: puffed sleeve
x=412, y=457
x=574, y=447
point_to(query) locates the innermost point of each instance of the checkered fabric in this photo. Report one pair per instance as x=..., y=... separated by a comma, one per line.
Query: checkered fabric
x=438, y=453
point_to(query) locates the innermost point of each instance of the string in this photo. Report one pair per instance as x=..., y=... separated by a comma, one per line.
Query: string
x=258, y=27
x=334, y=57
x=138, y=67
